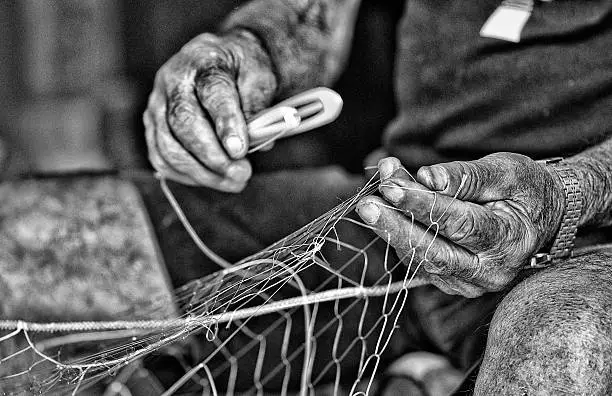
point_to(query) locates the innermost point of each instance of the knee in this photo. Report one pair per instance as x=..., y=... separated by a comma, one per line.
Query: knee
x=552, y=334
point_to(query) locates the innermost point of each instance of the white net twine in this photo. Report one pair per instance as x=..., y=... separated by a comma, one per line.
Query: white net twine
x=282, y=321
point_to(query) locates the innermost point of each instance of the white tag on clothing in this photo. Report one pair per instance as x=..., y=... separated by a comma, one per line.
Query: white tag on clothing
x=507, y=21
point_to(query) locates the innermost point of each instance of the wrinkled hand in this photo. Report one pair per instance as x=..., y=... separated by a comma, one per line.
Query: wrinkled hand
x=507, y=207
x=195, y=120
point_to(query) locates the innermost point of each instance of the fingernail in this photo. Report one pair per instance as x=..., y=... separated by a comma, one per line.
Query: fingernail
x=237, y=173
x=385, y=167
x=369, y=212
x=439, y=178
x=234, y=145
x=425, y=177
x=392, y=193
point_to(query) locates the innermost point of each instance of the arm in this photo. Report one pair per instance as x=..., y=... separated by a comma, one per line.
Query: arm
x=308, y=41
x=593, y=168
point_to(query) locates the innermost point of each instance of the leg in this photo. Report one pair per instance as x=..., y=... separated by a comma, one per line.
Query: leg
x=552, y=334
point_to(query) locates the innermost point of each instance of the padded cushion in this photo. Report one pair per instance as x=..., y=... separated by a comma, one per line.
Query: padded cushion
x=78, y=248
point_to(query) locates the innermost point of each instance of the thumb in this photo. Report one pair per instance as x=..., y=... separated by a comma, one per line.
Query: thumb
x=483, y=180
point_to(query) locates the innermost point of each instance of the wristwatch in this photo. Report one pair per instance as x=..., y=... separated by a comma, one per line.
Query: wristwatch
x=563, y=244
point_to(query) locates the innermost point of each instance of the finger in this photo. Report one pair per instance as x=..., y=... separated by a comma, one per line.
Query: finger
x=454, y=286
x=190, y=127
x=154, y=124
x=178, y=160
x=465, y=223
x=408, y=237
x=491, y=178
x=171, y=160
x=388, y=166
x=218, y=94
x=183, y=162
x=161, y=166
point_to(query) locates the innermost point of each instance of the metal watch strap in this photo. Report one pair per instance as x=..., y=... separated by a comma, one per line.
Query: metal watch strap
x=563, y=244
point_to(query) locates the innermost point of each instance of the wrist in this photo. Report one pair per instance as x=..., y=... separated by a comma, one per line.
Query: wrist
x=565, y=205
x=593, y=178
x=557, y=204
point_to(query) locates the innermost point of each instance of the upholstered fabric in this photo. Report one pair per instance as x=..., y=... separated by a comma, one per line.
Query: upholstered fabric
x=78, y=248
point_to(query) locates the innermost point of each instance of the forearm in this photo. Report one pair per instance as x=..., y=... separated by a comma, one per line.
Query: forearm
x=308, y=41
x=593, y=168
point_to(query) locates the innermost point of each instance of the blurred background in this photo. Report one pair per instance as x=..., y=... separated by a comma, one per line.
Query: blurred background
x=75, y=76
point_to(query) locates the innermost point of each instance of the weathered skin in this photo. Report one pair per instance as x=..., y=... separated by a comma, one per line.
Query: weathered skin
x=508, y=209
x=551, y=333
x=593, y=168
x=195, y=124
x=308, y=40
x=497, y=222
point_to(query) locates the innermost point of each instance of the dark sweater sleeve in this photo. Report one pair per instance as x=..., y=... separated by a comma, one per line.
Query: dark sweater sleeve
x=308, y=40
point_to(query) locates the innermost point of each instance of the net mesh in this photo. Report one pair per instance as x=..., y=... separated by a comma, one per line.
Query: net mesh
x=312, y=311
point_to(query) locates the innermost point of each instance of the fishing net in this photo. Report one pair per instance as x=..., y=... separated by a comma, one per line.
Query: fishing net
x=312, y=311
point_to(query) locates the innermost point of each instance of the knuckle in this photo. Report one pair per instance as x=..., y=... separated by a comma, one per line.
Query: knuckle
x=461, y=229
x=170, y=72
x=207, y=38
x=181, y=115
x=202, y=42
x=465, y=178
x=512, y=165
x=214, y=82
x=430, y=265
x=216, y=61
x=433, y=259
x=477, y=174
x=226, y=106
